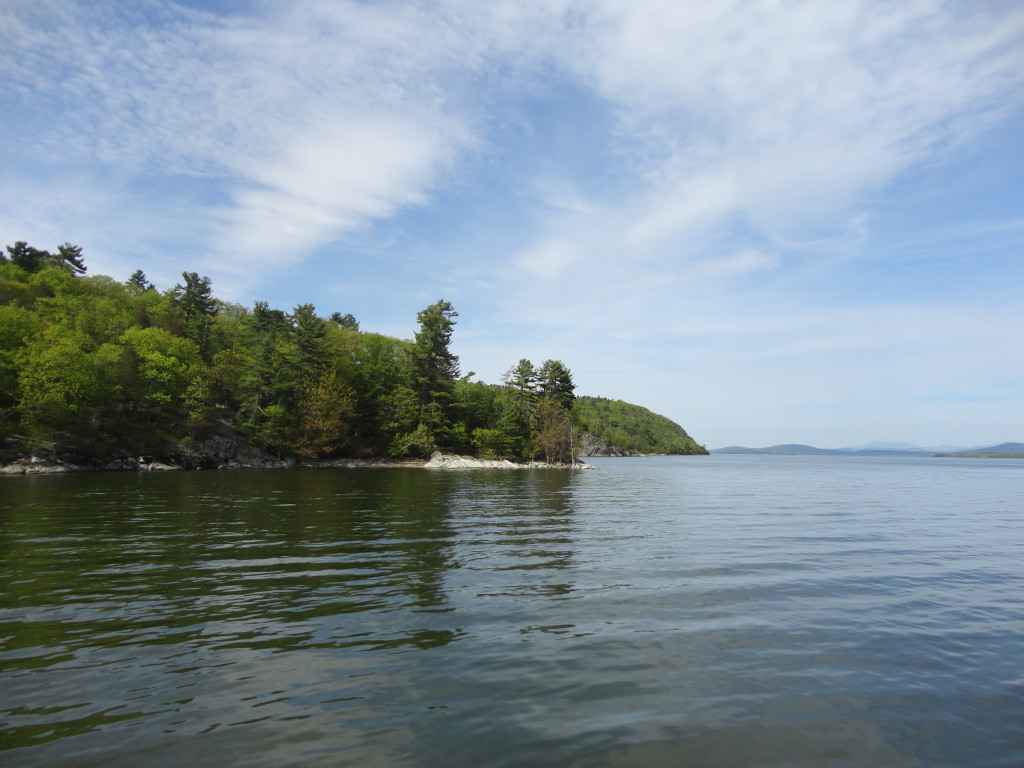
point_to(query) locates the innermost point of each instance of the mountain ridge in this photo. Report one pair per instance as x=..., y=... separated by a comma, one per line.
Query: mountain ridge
x=999, y=450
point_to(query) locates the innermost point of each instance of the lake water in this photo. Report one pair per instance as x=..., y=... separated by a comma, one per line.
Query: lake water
x=678, y=611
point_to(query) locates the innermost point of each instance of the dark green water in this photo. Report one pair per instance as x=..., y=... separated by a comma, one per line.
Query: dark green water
x=698, y=611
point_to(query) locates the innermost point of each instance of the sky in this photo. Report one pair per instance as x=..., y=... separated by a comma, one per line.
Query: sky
x=771, y=221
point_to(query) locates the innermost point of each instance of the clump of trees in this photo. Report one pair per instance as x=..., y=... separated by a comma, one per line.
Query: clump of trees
x=117, y=368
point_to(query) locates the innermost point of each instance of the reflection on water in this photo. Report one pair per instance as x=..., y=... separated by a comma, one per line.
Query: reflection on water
x=721, y=611
x=174, y=584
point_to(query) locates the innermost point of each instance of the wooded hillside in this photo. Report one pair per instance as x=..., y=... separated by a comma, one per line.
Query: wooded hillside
x=632, y=429
x=103, y=368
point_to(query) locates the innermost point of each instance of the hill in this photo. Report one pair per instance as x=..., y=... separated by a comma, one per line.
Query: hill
x=617, y=428
x=785, y=449
x=96, y=372
x=1003, y=450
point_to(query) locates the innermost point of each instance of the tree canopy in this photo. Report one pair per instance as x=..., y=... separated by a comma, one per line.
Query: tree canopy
x=108, y=368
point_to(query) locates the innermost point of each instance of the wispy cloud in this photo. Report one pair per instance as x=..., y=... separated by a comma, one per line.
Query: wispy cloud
x=689, y=182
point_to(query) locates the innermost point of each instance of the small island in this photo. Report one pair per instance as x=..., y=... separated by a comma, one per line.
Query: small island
x=99, y=374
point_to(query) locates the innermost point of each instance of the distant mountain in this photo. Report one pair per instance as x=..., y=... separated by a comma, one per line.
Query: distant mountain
x=786, y=449
x=905, y=447
x=883, y=447
x=1003, y=450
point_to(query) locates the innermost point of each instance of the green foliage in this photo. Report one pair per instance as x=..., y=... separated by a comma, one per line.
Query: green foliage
x=554, y=380
x=490, y=443
x=632, y=428
x=325, y=410
x=68, y=258
x=117, y=368
x=434, y=367
x=346, y=321
x=553, y=434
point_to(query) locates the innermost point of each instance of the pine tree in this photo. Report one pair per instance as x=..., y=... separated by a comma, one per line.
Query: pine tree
x=138, y=279
x=435, y=368
x=310, y=332
x=554, y=381
x=70, y=258
x=25, y=256
x=195, y=299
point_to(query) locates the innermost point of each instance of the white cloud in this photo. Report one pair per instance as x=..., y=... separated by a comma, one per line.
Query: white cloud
x=782, y=114
x=755, y=122
x=330, y=181
x=705, y=233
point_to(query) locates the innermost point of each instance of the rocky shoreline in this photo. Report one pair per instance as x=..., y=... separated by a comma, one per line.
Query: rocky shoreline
x=51, y=465
x=447, y=461
x=224, y=449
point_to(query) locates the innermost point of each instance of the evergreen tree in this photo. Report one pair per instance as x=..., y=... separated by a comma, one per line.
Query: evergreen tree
x=196, y=302
x=195, y=297
x=310, y=333
x=70, y=258
x=270, y=374
x=138, y=279
x=346, y=321
x=554, y=381
x=435, y=368
x=25, y=256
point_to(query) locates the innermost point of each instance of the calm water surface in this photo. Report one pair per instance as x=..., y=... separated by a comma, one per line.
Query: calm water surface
x=690, y=611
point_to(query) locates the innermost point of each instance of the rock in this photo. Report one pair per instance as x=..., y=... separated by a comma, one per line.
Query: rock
x=121, y=465
x=159, y=466
x=227, y=448
x=38, y=465
x=591, y=446
x=439, y=460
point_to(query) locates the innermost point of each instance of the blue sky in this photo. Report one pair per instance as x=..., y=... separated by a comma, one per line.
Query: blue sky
x=771, y=222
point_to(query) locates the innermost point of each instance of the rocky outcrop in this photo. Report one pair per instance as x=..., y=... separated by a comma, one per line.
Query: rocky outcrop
x=444, y=461
x=225, y=448
x=38, y=465
x=228, y=449
x=591, y=446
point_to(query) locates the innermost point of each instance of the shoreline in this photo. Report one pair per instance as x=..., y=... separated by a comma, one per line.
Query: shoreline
x=39, y=465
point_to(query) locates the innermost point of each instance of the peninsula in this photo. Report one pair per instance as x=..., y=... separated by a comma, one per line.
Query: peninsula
x=96, y=373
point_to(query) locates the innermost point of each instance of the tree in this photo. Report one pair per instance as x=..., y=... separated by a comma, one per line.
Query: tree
x=553, y=433
x=310, y=332
x=521, y=379
x=67, y=257
x=489, y=442
x=70, y=258
x=195, y=299
x=346, y=321
x=435, y=368
x=138, y=279
x=159, y=368
x=269, y=375
x=325, y=411
x=25, y=256
x=554, y=380
x=66, y=385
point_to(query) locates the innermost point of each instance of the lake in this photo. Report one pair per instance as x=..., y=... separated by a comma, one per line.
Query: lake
x=666, y=611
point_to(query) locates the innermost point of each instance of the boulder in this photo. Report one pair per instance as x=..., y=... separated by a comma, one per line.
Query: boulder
x=439, y=460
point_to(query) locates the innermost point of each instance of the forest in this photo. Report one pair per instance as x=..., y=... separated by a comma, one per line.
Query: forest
x=103, y=368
